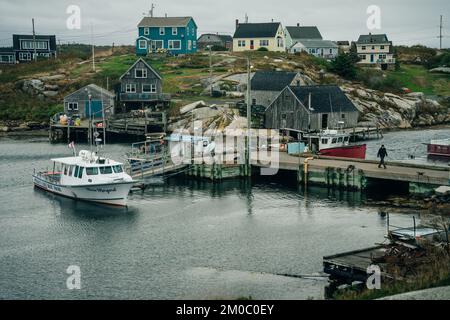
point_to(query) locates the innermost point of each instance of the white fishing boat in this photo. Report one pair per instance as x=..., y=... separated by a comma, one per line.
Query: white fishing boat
x=87, y=177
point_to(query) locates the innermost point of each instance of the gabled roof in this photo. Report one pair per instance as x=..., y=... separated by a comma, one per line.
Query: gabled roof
x=146, y=64
x=307, y=32
x=272, y=80
x=373, y=38
x=317, y=43
x=165, y=22
x=257, y=30
x=93, y=88
x=222, y=37
x=324, y=99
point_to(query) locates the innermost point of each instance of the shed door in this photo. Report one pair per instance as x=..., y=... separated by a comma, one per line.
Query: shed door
x=96, y=109
x=324, y=121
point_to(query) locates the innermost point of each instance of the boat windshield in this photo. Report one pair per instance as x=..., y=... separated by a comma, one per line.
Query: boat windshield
x=92, y=171
x=106, y=170
x=118, y=169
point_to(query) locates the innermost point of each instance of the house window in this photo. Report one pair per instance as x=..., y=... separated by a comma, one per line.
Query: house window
x=263, y=43
x=253, y=102
x=162, y=31
x=175, y=44
x=130, y=88
x=6, y=58
x=26, y=56
x=382, y=47
x=362, y=56
x=363, y=48
x=29, y=44
x=189, y=45
x=331, y=51
x=142, y=44
x=157, y=44
x=140, y=73
x=241, y=43
x=72, y=106
x=195, y=44
x=373, y=47
x=149, y=88
x=174, y=31
x=187, y=31
x=146, y=31
x=280, y=42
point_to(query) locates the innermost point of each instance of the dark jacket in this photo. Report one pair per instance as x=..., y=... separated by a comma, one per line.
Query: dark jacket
x=382, y=153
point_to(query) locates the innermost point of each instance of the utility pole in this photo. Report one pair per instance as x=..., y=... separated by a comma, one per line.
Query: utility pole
x=93, y=49
x=210, y=70
x=249, y=112
x=34, y=41
x=440, y=34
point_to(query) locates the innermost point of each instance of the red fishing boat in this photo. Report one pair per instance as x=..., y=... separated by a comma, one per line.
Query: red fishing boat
x=439, y=148
x=335, y=143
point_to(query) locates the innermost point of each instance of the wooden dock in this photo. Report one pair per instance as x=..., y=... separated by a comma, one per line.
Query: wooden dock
x=359, y=174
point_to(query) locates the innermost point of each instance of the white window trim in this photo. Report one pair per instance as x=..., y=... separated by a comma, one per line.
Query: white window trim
x=174, y=31
x=144, y=73
x=142, y=41
x=171, y=46
x=146, y=31
x=153, y=88
x=156, y=48
x=162, y=31
x=129, y=87
x=72, y=106
x=22, y=56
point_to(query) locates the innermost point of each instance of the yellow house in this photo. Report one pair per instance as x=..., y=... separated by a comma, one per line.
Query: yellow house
x=252, y=36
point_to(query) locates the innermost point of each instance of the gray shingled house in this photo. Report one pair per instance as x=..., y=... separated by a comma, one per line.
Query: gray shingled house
x=266, y=85
x=218, y=40
x=90, y=100
x=311, y=108
x=299, y=33
x=141, y=88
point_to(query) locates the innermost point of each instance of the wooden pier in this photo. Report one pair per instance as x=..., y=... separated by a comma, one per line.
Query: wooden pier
x=353, y=174
x=123, y=124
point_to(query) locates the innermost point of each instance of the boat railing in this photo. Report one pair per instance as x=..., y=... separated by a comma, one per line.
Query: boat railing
x=53, y=177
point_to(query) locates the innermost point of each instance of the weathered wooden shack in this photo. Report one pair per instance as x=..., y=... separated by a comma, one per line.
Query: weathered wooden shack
x=266, y=85
x=311, y=108
x=90, y=100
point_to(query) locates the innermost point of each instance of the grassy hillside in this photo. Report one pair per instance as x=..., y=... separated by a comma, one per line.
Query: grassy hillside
x=183, y=77
x=418, y=78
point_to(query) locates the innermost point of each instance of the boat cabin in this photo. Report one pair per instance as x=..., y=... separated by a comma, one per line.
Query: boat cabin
x=327, y=139
x=86, y=169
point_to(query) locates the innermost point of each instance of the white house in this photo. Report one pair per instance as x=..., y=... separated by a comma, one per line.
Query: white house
x=319, y=48
x=375, y=50
x=253, y=36
x=299, y=33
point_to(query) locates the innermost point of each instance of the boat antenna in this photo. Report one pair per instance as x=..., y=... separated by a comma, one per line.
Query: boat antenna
x=331, y=106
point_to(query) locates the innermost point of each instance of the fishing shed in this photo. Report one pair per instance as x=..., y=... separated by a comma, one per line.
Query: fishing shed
x=90, y=100
x=311, y=108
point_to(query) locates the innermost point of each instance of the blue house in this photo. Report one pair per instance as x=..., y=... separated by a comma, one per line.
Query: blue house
x=177, y=35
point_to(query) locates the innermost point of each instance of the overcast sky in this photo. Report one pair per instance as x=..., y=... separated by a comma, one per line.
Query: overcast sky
x=406, y=22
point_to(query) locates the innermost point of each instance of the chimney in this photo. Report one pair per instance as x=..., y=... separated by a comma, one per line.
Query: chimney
x=298, y=24
x=166, y=15
x=237, y=23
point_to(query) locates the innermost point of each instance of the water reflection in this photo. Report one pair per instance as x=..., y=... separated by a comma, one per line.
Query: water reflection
x=66, y=207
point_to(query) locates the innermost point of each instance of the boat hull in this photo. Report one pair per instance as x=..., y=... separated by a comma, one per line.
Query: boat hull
x=112, y=194
x=438, y=150
x=353, y=152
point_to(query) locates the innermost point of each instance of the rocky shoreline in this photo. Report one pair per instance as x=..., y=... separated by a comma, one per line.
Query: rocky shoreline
x=15, y=126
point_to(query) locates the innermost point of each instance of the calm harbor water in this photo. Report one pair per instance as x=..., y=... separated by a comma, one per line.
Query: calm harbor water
x=183, y=238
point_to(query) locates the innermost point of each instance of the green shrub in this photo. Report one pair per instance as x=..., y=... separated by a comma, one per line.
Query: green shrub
x=345, y=65
x=262, y=49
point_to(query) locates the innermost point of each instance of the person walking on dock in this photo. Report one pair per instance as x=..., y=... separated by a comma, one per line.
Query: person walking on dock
x=382, y=153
